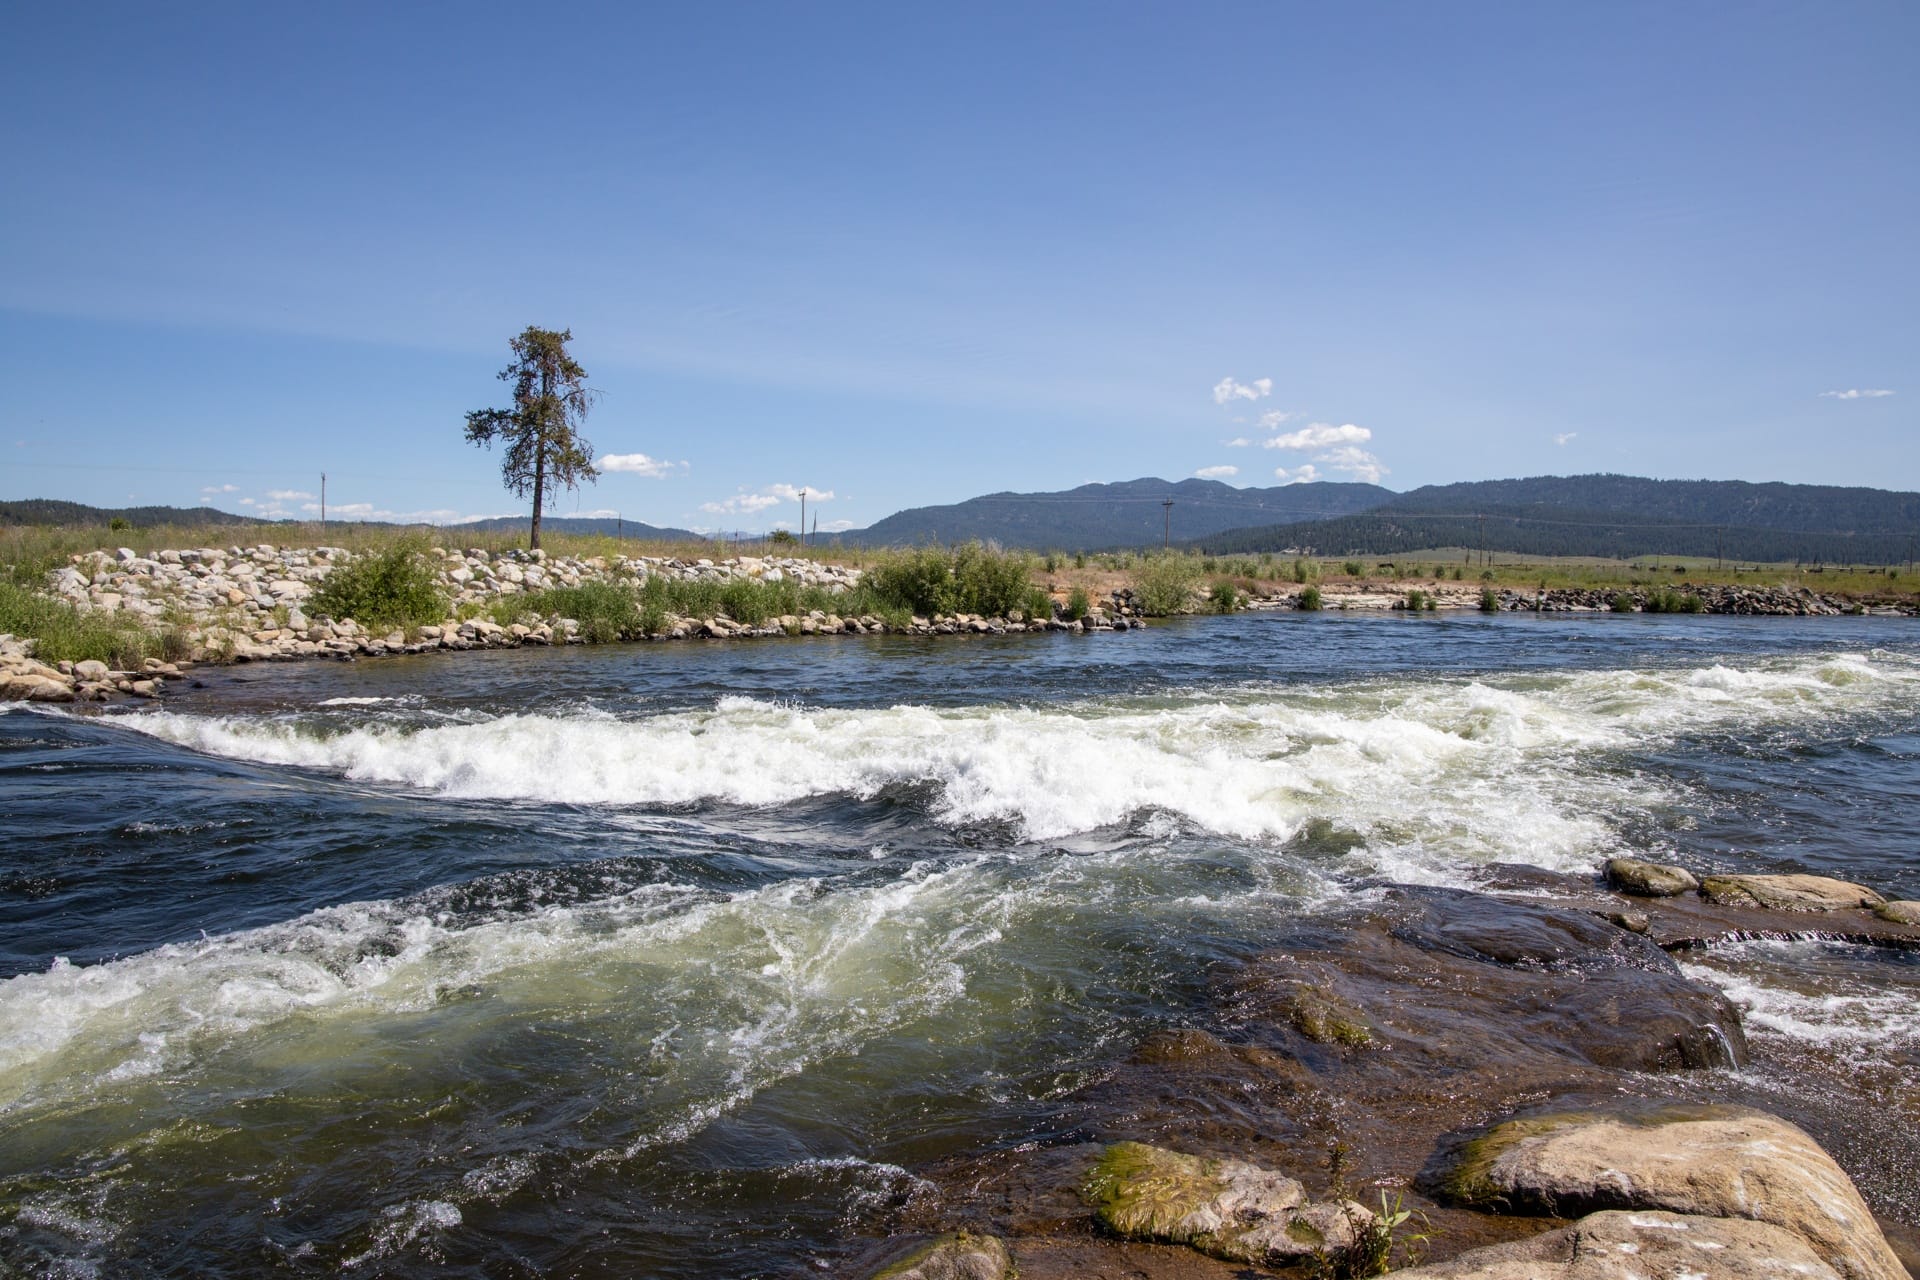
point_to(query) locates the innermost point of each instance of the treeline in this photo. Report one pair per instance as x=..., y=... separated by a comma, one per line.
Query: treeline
x=1806, y=508
x=1563, y=533
x=51, y=511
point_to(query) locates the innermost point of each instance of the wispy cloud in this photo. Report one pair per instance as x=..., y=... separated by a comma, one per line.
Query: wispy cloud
x=1355, y=462
x=1272, y=419
x=1238, y=442
x=1305, y=473
x=639, y=464
x=1856, y=393
x=1227, y=390
x=208, y=490
x=1216, y=473
x=836, y=526
x=289, y=495
x=1320, y=435
x=747, y=504
x=1563, y=438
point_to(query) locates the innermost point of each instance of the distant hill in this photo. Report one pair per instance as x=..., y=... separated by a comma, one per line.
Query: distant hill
x=584, y=524
x=1616, y=516
x=1125, y=514
x=49, y=511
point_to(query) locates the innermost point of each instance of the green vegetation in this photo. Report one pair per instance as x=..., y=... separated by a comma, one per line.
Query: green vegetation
x=62, y=633
x=1417, y=601
x=1664, y=601
x=1622, y=602
x=1489, y=600
x=1310, y=599
x=969, y=578
x=1165, y=584
x=1079, y=604
x=1225, y=597
x=541, y=432
x=1354, y=569
x=396, y=587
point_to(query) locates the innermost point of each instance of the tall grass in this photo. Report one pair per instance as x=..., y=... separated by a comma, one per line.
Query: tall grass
x=396, y=587
x=1166, y=584
x=63, y=633
x=969, y=578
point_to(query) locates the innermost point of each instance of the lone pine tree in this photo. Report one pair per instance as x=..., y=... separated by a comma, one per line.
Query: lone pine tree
x=544, y=449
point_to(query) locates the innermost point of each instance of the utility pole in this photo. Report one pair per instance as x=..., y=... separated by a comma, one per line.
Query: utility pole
x=1719, y=549
x=803, y=517
x=323, y=500
x=619, y=528
x=1483, y=540
x=1166, y=536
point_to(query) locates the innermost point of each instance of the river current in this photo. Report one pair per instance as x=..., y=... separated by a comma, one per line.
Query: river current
x=689, y=960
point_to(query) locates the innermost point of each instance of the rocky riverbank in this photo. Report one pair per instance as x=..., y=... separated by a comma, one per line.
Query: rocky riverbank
x=1517, y=1084
x=1710, y=597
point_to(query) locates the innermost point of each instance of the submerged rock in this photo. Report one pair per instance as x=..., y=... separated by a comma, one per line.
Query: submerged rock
x=1227, y=1208
x=1788, y=893
x=1715, y=1162
x=1650, y=879
x=960, y=1255
x=1635, y=1246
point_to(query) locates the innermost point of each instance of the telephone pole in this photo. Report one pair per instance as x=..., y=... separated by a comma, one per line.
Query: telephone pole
x=323, y=500
x=1483, y=540
x=1166, y=535
x=803, y=517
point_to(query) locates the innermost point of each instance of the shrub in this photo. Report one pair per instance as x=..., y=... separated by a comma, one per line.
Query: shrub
x=1489, y=602
x=1416, y=600
x=1622, y=602
x=1079, y=605
x=970, y=578
x=1165, y=584
x=1310, y=599
x=1225, y=597
x=1353, y=568
x=783, y=538
x=393, y=588
x=604, y=611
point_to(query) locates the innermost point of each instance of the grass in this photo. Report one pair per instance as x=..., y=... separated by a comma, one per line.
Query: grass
x=63, y=633
x=969, y=578
x=1310, y=599
x=1165, y=584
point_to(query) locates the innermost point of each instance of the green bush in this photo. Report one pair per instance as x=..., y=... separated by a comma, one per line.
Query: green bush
x=1354, y=569
x=970, y=578
x=1165, y=584
x=1310, y=599
x=1224, y=597
x=396, y=587
x=1489, y=602
x=1078, y=604
x=606, y=612
x=1417, y=600
x=1622, y=602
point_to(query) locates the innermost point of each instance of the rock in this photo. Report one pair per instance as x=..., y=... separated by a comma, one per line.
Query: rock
x=1631, y=921
x=1635, y=1246
x=961, y=1255
x=29, y=687
x=1649, y=879
x=1227, y=1208
x=1899, y=912
x=91, y=669
x=1716, y=1162
x=1788, y=893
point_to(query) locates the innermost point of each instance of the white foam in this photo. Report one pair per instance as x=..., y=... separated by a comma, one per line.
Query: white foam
x=1848, y=1016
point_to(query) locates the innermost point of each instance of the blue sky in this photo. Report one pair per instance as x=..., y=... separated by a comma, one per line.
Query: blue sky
x=905, y=254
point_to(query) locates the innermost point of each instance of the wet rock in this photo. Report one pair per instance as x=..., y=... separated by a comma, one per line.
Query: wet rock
x=1717, y=1162
x=1635, y=1246
x=960, y=1255
x=1899, y=912
x=27, y=686
x=1788, y=893
x=1650, y=879
x=1631, y=921
x=1227, y=1208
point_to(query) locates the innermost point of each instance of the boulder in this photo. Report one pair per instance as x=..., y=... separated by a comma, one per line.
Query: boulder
x=31, y=687
x=960, y=1255
x=1715, y=1162
x=1227, y=1208
x=1635, y=1246
x=1899, y=912
x=1649, y=879
x=1788, y=893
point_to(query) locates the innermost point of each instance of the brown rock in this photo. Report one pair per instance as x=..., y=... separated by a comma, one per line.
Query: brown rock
x=1635, y=1246
x=1721, y=1162
x=1788, y=893
x=27, y=687
x=1649, y=879
x=1899, y=912
x=959, y=1256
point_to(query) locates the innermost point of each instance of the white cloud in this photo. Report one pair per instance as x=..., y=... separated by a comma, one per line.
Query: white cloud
x=289, y=495
x=601, y=513
x=639, y=464
x=1306, y=473
x=212, y=488
x=247, y=502
x=1320, y=435
x=1227, y=390
x=742, y=504
x=1239, y=442
x=1563, y=438
x=1856, y=393
x=351, y=510
x=792, y=494
x=1355, y=462
x=836, y=526
x=1272, y=419
x=1216, y=473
